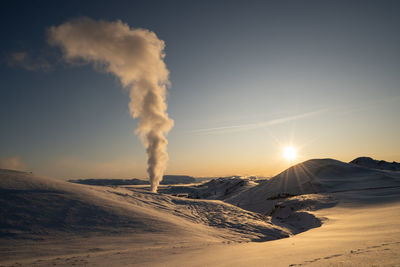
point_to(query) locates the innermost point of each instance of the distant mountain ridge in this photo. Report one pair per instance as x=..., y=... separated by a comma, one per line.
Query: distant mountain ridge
x=105, y=181
x=376, y=164
x=167, y=179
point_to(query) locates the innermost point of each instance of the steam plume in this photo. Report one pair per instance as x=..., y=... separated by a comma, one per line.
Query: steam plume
x=136, y=57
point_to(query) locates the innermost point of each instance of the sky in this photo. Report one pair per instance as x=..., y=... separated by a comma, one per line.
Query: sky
x=247, y=79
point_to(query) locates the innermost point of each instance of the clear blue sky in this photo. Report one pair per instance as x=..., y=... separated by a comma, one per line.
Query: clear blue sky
x=247, y=79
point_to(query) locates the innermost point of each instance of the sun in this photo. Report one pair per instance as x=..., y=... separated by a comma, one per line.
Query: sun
x=289, y=153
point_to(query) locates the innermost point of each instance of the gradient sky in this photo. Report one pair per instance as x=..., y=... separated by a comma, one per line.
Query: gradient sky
x=247, y=79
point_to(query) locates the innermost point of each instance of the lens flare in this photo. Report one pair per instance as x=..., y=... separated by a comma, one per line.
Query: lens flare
x=289, y=153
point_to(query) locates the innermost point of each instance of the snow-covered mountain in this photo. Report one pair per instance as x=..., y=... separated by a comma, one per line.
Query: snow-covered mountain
x=376, y=164
x=313, y=177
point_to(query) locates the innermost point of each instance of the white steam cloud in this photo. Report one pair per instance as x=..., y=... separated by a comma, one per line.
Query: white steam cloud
x=136, y=57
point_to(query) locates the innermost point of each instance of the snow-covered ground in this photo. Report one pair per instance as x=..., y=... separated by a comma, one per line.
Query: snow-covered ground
x=320, y=212
x=376, y=164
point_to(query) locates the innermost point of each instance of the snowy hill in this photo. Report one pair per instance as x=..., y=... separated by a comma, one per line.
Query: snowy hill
x=221, y=188
x=326, y=175
x=312, y=177
x=46, y=222
x=32, y=206
x=376, y=164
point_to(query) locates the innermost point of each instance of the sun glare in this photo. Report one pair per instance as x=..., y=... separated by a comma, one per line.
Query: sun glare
x=289, y=153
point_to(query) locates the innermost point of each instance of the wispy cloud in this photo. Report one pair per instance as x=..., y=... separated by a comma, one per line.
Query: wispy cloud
x=252, y=126
x=23, y=60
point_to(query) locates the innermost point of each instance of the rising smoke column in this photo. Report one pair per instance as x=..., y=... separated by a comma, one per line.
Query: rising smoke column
x=136, y=57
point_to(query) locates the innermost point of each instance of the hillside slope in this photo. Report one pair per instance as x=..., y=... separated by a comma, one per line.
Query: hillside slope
x=313, y=177
x=37, y=206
